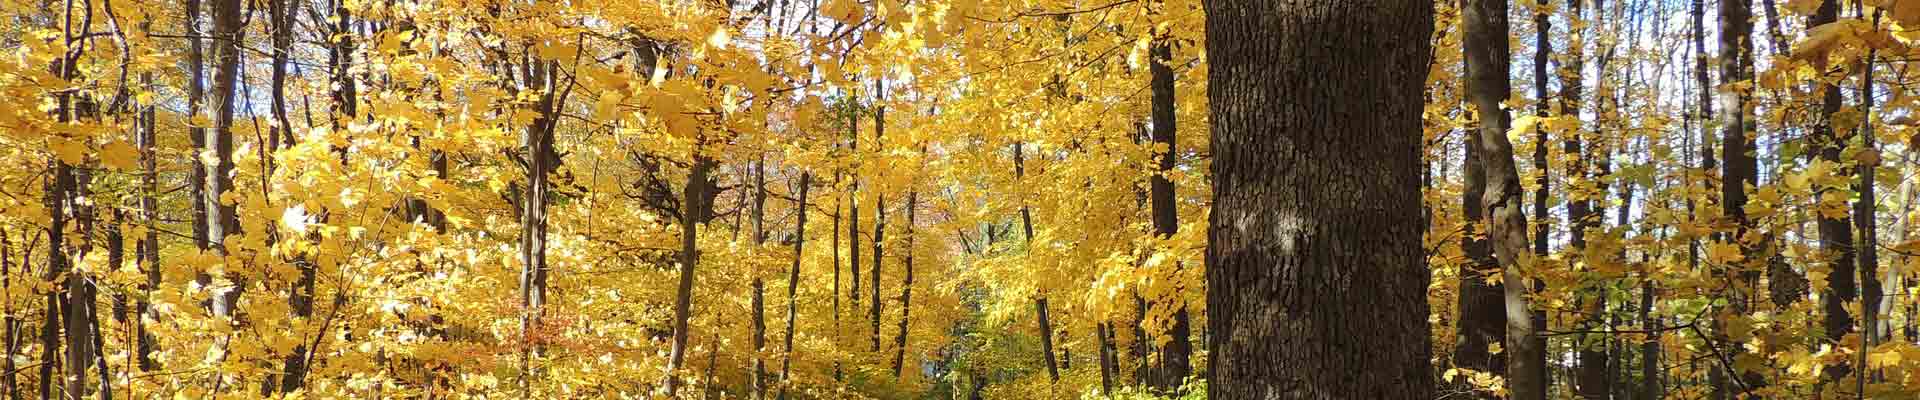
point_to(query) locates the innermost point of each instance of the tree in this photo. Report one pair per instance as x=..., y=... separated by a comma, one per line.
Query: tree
x=1175, y=357
x=1485, y=26
x=1295, y=229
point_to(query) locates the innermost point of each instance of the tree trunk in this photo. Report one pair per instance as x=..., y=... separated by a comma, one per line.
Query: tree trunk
x=1865, y=220
x=1040, y=299
x=1836, y=232
x=793, y=280
x=10, y=378
x=906, y=289
x=1106, y=359
x=1482, y=320
x=221, y=219
x=1175, y=357
x=759, y=301
x=693, y=212
x=1298, y=236
x=879, y=213
x=197, y=132
x=148, y=248
x=1488, y=58
x=1740, y=169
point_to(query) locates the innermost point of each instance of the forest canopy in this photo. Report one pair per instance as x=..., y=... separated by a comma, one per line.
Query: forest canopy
x=1035, y=199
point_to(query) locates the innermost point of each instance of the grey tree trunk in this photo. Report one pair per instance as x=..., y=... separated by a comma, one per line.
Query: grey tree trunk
x=1309, y=258
x=1487, y=57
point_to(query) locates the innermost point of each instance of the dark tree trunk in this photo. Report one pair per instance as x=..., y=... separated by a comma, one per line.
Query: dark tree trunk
x=693, y=212
x=1836, y=233
x=221, y=219
x=1040, y=299
x=1864, y=219
x=793, y=280
x=1298, y=235
x=759, y=296
x=1175, y=357
x=1740, y=168
x=197, y=133
x=906, y=289
x=879, y=215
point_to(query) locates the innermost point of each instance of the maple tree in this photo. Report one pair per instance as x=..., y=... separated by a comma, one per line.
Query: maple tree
x=958, y=198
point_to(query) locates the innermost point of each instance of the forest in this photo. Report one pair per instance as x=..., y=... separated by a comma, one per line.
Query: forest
x=960, y=199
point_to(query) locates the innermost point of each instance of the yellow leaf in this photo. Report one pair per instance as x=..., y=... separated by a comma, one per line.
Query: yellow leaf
x=119, y=155
x=70, y=151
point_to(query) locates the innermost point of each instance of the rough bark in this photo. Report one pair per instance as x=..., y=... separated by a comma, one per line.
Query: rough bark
x=1309, y=258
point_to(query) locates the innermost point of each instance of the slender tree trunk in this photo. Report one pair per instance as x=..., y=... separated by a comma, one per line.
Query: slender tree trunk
x=9, y=379
x=1175, y=357
x=906, y=289
x=1836, y=232
x=853, y=217
x=836, y=272
x=148, y=248
x=541, y=160
x=1483, y=319
x=693, y=212
x=197, y=132
x=759, y=301
x=1487, y=58
x=793, y=280
x=1294, y=223
x=1740, y=169
x=1106, y=359
x=1865, y=218
x=879, y=213
x=1039, y=299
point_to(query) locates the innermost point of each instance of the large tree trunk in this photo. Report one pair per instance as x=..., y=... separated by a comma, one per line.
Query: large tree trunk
x=1174, y=358
x=1308, y=257
x=1488, y=58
